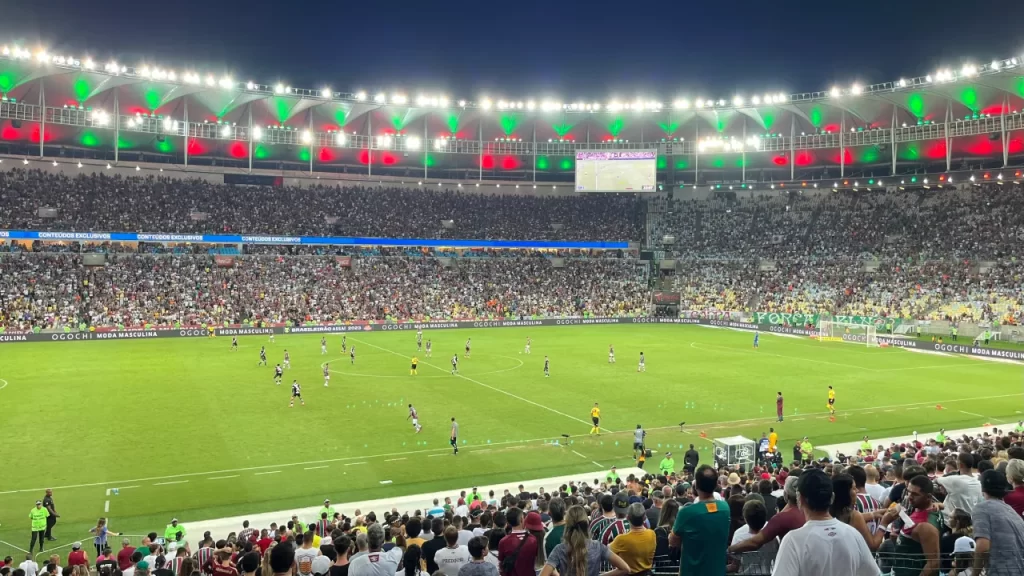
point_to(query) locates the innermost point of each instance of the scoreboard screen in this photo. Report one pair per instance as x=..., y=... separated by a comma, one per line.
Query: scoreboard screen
x=616, y=171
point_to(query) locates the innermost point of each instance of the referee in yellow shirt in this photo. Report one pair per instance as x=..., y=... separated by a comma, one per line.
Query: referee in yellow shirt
x=412, y=369
x=595, y=417
x=831, y=401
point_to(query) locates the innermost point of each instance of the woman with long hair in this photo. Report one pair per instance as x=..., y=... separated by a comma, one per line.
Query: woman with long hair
x=578, y=555
x=187, y=567
x=843, y=508
x=663, y=553
x=101, y=531
x=411, y=562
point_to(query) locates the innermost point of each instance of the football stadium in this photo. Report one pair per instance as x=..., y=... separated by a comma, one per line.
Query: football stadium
x=312, y=326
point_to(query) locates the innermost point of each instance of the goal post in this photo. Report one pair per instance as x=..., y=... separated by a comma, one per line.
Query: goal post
x=832, y=331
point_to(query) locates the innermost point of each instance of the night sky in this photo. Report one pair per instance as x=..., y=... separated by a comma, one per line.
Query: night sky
x=566, y=49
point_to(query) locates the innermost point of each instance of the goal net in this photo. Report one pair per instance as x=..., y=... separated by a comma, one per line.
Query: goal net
x=831, y=331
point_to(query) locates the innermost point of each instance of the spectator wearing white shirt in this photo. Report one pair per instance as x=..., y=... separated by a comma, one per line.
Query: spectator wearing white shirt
x=464, y=535
x=823, y=546
x=871, y=485
x=454, y=556
x=963, y=490
x=375, y=562
x=755, y=516
x=30, y=566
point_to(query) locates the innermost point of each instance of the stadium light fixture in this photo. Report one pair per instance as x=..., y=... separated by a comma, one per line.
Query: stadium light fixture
x=307, y=137
x=681, y=104
x=835, y=92
x=477, y=184
x=100, y=118
x=737, y=101
x=145, y=73
x=412, y=143
x=79, y=164
x=6, y=51
x=326, y=93
x=54, y=163
x=383, y=141
x=211, y=81
x=902, y=83
x=43, y=57
x=340, y=139
x=226, y=83
x=422, y=101
x=709, y=103
x=755, y=100
x=971, y=178
x=111, y=67
x=485, y=104
x=531, y=105
x=250, y=85
x=137, y=168
x=399, y=99
x=380, y=98
x=361, y=96
x=89, y=64
x=501, y=105
x=442, y=101
x=108, y=165
x=969, y=70
x=257, y=133
x=856, y=90
x=225, y=131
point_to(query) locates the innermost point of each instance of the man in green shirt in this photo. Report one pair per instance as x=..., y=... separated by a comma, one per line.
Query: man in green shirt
x=37, y=516
x=865, y=445
x=327, y=509
x=668, y=465
x=941, y=436
x=612, y=477
x=174, y=532
x=807, y=449
x=1019, y=427
x=702, y=529
x=556, y=509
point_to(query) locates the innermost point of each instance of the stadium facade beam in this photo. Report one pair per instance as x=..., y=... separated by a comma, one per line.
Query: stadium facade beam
x=743, y=153
x=842, y=147
x=696, y=153
x=369, y=144
x=117, y=131
x=480, y=155
x=1002, y=129
x=792, y=149
x=945, y=134
x=534, y=150
x=42, y=123
x=425, y=145
x=185, y=114
x=892, y=140
x=250, y=138
x=310, y=141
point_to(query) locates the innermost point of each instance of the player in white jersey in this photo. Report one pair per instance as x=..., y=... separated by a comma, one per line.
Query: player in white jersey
x=467, y=347
x=419, y=340
x=327, y=374
x=415, y=419
x=296, y=393
x=287, y=360
x=455, y=364
x=323, y=346
x=641, y=367
x=638, y=440
x=527, y=349
x=271, y=337
x=427, y=351
x=278, y=373
x=234, y=343
x=611, y=354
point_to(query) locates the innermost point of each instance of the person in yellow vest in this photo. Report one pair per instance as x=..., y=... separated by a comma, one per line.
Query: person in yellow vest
x=595, y=417
x=412, y=369
x=37, y=516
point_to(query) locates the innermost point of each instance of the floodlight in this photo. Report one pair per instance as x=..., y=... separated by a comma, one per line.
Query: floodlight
x=361, y=96
x=485, y=104
x=856, y=89
x=462, y=103
x=412, y=143
x=903, y=82
x=835, y=93
x=225, y=131
x=681, y=104
x=995, y=65
x=421, y=101
x=737, y=101
x=257, y=133
x=339, y=139
x=79, y=164
x=969, y=70
x=530, y=104
x=211, y=81
x=709, y=103
x=325, y=93
x=755, y=100
x=399, y=99
x=307, y=137
x=167, y=124
x=380, y=98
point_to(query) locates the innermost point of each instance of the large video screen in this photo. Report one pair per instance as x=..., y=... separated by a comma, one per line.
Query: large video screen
x=616, y=171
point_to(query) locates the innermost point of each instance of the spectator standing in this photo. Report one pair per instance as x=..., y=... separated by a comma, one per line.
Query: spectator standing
x=654, y=512
x=663, y=553
x=51, y=514
x=452, y=557
x=702, y=528
x=222, y=565
x=518, y=550
x=305, y=555
x=636, y=547
x=556, y=508
x=823, y=546
x=1015, y=474
x=38, y=519
x=29, y=566
x=430, y=547
x=690, y=460
x=282, y=560
x=998, y=530
x=963, y=491
x=375, y=562
x=101, y=531
x=478, y=565
x=578, y=554
x=343, y=547
x=788, y=519
x=917, y=546
x=77, y=556
x=755, y=517
x=412, y=562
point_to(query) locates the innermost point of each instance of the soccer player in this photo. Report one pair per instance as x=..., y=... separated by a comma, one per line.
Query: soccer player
x=455, y=364
x=611, y=354
x=278, y=373
x=412, y=369
x=419, y=340
x=352, y=354
x=263, y=356
x=234, y=343
x=296, y=393
x=271, y=337
x=831, y=401
x=778, y=406
x=455, y=437
x=638, y=440
x=547, y=368
x=595, y=417
x=415, y=419
x=344, y=340
x=528, y=342
x=773, y=440
x=467, y=347
x=287, y=360
x=427, y=351
x=323, y=345
x=757, y=336
x=641, y=367
x=327, y=374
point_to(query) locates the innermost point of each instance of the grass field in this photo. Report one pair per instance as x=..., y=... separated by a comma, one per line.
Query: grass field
x=185, y=427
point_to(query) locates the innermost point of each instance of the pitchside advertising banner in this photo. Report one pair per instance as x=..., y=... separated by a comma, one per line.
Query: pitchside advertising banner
x=734, y=324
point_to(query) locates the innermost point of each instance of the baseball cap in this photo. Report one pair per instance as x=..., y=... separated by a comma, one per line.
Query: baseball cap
x=39, y=502
x=76, y=546
x=142, y=565
x=327, y=501
x=963, y=544
x=620, y=502
x=321, y=565
x=173, y=520
x=534, y=522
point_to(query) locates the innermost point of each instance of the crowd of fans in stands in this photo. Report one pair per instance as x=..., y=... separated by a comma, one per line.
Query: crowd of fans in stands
x=116, y=204
x=950, y=505
x=55, y=290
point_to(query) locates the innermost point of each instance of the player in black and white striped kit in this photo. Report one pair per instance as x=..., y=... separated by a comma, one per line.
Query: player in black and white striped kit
x=263, y=356
x=427, y=352
x=234, y=343
x=547, y=367
x=323, y=345
x=327, y=374
x=352, y=354
x=278, y=373
x=344, y=341
x=287, y=360
x=296, y=393
x=419, y=340
x=455, y=364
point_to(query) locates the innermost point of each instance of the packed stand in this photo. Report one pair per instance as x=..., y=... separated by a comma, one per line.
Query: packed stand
x=51, y=291
x=98, y=203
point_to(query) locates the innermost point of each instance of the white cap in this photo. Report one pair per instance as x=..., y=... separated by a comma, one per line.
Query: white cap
x=963, y=544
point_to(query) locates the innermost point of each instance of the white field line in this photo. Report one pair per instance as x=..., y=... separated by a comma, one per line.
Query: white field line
x=973, y=414
x=478, y=383
x=316, y=467
x=170, y=483
x=267, y=472
x=692, y=426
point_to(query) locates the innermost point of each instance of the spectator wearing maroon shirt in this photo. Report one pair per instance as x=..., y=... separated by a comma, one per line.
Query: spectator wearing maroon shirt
x=77, y=556
x=265, y=541
x=517, y=551
x=788, y=519
x=1015, y=474
x=124, y=555
x=222, y=565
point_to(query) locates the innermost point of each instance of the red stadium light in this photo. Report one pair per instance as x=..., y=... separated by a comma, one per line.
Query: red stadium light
x=942, y=178
x=987, y=176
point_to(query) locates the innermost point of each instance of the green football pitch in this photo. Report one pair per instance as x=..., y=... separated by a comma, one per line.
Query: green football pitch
x=188, y=428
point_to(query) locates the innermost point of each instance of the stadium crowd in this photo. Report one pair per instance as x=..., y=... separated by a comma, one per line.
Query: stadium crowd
x=116, y=204
x=949, y=505
x=51, y=291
